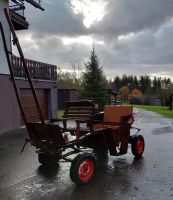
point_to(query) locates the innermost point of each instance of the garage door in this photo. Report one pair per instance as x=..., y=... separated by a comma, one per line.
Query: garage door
x=30, y=107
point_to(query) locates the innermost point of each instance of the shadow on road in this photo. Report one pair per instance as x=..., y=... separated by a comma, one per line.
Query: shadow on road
x=48, y=172
x=110, y=176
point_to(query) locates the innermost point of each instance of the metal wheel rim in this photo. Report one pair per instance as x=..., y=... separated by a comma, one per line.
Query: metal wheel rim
x=140, y=146
x=86, y=170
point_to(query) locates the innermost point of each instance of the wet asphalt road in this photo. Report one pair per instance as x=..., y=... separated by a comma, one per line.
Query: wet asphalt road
x=123, y=177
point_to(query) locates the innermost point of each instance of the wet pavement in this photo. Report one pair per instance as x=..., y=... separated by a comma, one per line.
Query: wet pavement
x=123, y=177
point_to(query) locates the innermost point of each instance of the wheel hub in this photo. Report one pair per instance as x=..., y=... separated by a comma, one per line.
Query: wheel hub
x=140, y=146
x=86, y=170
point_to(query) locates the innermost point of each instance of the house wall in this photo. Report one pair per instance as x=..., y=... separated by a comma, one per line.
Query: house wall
x=8, y=106
x=10, y=117
x=73, y=95
x=3, y=62
x=65, y=95
x=46, y=85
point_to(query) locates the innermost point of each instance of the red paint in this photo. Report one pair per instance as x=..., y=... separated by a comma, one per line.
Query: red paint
x=86, y=170
x=140, y=146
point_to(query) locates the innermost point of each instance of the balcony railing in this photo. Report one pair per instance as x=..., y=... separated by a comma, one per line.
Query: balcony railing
x=38, y=70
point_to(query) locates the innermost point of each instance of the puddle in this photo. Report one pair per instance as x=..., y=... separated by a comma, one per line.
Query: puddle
x=153, y=120
x=163, y=130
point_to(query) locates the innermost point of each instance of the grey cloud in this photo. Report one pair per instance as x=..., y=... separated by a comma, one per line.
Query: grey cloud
x=149, y=51
x=124, y=16
x=138, y=70
x=143, y=48
x=51, y=50
x=58, y=18
x=145, y=53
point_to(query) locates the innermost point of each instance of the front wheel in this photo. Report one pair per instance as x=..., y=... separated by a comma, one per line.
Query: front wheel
x=137, y=145
x=82, y=168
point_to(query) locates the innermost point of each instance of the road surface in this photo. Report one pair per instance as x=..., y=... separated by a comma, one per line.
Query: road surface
x=123, y=177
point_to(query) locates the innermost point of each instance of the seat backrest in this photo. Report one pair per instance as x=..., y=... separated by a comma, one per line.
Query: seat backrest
x=113, y=113
x=79, y=109
x=46, y=136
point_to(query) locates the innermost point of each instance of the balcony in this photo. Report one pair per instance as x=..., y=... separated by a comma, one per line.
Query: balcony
x=18, y=20
x=17, y=9
x=38, y=70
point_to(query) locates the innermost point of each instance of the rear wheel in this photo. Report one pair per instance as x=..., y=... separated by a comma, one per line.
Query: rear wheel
x=82, y=168
x=137, y=145
x=45, y=158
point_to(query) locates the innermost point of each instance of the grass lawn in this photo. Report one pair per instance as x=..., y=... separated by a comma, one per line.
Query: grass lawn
x=60, y=113
x=162, y=110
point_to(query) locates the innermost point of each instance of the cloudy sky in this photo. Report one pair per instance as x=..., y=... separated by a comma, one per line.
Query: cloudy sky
x=130, y=36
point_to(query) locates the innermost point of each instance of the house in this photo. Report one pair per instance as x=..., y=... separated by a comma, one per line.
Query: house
x=43, y=75
x=64, y=95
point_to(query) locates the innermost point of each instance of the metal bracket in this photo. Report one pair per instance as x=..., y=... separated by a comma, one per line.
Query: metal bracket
x=26, y=141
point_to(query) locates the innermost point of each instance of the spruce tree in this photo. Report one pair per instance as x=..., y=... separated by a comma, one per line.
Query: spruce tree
x=117, y=83
x=93, y=86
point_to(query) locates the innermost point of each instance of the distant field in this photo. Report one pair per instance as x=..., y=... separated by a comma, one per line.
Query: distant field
x=162, y=110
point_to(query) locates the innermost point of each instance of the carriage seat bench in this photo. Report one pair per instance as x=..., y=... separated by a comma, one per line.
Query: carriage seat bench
x=78, y=112
x=118, y=119
x=113, y=116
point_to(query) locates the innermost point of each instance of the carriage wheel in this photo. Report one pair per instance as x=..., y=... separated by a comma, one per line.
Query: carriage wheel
x=82, y=168
x=45, y=158
x=138, y=145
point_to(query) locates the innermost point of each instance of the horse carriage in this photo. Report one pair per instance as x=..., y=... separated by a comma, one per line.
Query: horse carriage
x=91, y=132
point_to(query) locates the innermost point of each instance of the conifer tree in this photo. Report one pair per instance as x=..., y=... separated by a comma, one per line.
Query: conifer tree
x=92, y=86
x=117, y=83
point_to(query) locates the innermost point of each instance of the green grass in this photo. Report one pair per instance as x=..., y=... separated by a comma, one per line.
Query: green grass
x=60, y=113
x=162, y=110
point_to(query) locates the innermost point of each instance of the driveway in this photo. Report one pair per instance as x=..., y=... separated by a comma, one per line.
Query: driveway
x=123, y=177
